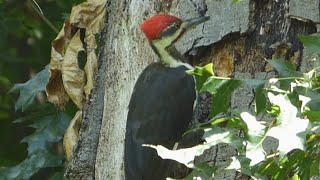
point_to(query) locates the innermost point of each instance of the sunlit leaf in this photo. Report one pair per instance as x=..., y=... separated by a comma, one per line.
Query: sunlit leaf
x=268, y=167
x=290, y=130
x=313, y=116
x=29, y=90
x=186, y=156
x=274, y=110
x=201, y=74
x=310, y=98
x=240, y=163
x=236, y=123
x=256, y=133
x=314, y=167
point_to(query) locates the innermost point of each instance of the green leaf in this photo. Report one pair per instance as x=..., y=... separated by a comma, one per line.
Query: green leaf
x=311, y=42
x=309, y=98
x=201, y=74
x=212, y=123
x=285, y=69
x=29, y=90
x=49, y=129
x=30, y=166
x=260, y=100
x=236, y=123
x=290, y=130
x=216, y=135
x=256, y=133
x=268, y=167
x=274, y=110
x=313, y=116
x=50, y=125
x=301, y=163
x=222, y=90
x=314, y=167
x=57, y=176
x=295, y=177
x=202, y=171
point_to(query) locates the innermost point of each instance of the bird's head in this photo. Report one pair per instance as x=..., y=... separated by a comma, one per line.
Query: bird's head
x=168, y=28
x=163, y=31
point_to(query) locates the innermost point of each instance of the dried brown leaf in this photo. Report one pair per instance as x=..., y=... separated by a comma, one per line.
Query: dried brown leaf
x=72, y=133
x=73, y=77
x=63, y=38
x=90, y=68
x=55, y=89
x=66, y=78
x=88, y=15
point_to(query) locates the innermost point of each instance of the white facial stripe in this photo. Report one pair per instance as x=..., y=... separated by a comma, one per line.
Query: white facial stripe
x=162, y=44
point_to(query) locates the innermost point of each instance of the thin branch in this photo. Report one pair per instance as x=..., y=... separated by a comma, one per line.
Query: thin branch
x=38, y=10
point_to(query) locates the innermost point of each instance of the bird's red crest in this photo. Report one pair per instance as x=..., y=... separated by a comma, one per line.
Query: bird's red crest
x=153, y=26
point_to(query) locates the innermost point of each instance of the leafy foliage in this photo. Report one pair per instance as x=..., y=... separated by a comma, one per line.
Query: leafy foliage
x=294, y=107
x=62, y=79
x=50, y=128
x=25, y=44
x=202, y=171
x=30, y=166
x=311, y=42
x=29, y=90
x=50, y=125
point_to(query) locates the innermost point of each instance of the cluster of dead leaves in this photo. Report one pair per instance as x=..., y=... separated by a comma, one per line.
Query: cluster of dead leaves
x=66, y=79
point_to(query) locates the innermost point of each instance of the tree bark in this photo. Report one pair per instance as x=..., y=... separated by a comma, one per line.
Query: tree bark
x=237, y=39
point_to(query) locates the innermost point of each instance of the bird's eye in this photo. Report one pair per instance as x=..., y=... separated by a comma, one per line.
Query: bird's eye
x=177, y=26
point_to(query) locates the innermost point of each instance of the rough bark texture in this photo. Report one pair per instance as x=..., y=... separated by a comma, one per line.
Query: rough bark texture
x=237, y=40
x=81, y=165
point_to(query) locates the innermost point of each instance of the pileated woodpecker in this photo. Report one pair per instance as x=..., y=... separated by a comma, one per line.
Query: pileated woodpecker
x=161, y=105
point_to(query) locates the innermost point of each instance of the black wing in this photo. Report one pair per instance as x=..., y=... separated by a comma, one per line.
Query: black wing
x=160, y=110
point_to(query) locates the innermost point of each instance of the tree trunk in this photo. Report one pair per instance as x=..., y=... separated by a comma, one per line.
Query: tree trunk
x=237, y=39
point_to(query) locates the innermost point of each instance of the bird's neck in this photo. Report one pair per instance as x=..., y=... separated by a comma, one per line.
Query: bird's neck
x=169, y=56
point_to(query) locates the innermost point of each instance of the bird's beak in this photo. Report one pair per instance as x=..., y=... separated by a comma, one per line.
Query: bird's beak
x=190, y=23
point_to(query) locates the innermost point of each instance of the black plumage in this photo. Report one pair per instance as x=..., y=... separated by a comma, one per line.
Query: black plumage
x=160, y=111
